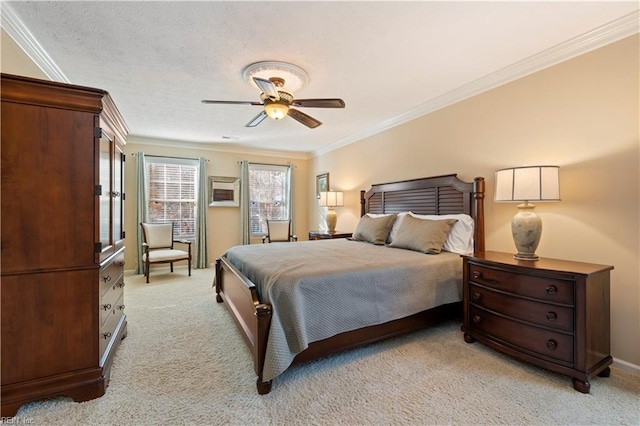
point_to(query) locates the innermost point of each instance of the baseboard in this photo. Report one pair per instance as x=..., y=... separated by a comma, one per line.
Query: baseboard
x=626, y=366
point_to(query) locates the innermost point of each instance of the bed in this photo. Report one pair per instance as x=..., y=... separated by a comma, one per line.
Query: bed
x=266, y=315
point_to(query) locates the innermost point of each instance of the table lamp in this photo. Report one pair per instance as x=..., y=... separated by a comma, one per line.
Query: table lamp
x=527, y=183
x=331, y=199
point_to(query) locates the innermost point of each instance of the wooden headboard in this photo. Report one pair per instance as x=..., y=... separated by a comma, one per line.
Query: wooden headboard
x=432, y=195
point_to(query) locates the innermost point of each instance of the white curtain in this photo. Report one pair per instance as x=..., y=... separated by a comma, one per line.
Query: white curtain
x=202, y=251
x=141, y=207
x=245, y=208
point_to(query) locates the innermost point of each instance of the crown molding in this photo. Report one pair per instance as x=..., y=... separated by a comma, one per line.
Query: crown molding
x=609, y=33
x=19, y=32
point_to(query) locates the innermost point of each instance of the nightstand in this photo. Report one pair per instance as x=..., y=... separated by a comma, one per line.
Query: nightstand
x=326, y=235
x=551, y=313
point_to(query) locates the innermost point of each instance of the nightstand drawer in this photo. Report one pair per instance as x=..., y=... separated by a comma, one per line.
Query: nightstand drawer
x=548, y=289
x=552, y=316
x=513, y=333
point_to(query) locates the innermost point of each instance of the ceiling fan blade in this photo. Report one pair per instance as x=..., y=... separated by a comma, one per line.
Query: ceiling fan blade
x=256, y=120
x=303, y=118
x=207, y=101
x=319, y=103
x=268, y=88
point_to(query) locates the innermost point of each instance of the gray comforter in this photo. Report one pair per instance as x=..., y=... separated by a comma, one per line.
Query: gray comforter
x=322, y=288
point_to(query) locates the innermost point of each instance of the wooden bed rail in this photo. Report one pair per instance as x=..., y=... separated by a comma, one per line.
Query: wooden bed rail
x=252, y=317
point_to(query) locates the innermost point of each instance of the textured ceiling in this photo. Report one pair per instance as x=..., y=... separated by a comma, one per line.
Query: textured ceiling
x=385, y=59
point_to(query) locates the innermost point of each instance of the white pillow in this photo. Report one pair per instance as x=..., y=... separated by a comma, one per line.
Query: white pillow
x=460, y=239
x=396, y=226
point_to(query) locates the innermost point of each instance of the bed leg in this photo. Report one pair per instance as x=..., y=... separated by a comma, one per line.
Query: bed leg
x=263, y=387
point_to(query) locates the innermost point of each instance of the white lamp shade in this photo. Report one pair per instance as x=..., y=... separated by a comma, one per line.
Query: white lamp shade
x=331, y=199
x=529, y=183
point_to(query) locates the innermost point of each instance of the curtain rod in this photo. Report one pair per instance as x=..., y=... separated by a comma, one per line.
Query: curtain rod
x=168, y=156
x=267, y=164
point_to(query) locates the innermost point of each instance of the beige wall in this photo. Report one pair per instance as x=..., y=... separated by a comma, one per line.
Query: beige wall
x=14, y=61
x=582, y=115
x=223, y=222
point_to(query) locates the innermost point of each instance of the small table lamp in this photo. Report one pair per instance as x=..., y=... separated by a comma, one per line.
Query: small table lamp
x=528, y=183
x=331, y=199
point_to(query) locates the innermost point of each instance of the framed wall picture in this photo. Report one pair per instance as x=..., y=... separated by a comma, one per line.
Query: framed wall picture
x=224, y=191
x=322, y=184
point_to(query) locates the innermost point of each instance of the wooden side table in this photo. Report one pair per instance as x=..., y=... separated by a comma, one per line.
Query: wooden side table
x=551, y=313
x=326, y=235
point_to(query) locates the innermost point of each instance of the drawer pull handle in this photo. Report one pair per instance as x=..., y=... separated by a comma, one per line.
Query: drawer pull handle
x=476, y=296
x=552, y=316
x=106, y=335
x=120, y=263
x=106, y=307
x=476, y=318
x=107, y=278
x=121, y=284
x=552, y=289
x=121, y=307
x=478, y=275
x=552, y=344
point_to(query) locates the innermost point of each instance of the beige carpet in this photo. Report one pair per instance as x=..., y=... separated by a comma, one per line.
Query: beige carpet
x=184, y=362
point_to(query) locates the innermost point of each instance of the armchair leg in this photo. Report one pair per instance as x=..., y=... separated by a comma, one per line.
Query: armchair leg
x=171, y=266
x=189, y=260
x=146, y=271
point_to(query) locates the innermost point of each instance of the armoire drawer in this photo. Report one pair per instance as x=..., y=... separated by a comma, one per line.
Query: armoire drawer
x=522, y=336
x=544, y=314
x=548, y=289
x=111, y=300
x=112, y=317
x=111, y=272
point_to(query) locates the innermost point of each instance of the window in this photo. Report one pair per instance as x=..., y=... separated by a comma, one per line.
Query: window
x=269, y=195
x=172, y=194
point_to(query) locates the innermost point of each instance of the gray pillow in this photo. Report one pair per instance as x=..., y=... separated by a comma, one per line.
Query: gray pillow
x=373, y=229
x=423, y=235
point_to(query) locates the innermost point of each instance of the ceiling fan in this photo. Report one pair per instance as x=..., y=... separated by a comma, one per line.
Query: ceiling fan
x=278, y=103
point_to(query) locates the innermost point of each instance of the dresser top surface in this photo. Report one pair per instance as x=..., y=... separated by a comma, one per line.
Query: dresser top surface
x=546, y=264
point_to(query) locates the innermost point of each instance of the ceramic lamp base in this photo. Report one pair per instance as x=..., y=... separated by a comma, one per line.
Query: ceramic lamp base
x=331, y=219
x=526, y=227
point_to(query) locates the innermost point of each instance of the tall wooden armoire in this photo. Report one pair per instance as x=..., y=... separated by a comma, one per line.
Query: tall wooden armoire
x=62, y=233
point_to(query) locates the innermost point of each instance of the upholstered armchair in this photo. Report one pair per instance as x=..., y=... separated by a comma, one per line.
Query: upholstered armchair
x=158, y=246
x=279, y=231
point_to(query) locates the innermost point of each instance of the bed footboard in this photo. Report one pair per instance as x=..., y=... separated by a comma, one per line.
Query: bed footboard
x=252, y=317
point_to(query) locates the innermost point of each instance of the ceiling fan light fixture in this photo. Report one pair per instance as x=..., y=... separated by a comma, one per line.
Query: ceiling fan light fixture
x=276, y=110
